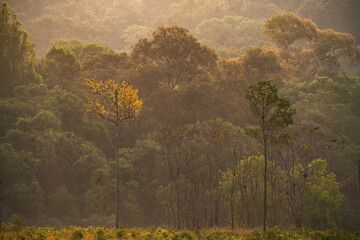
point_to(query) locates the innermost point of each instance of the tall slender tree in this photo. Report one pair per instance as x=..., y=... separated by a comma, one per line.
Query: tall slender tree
x=272, y=113
x=117, y=103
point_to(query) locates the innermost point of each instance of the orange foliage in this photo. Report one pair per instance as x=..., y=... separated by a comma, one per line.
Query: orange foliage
x=116, y=102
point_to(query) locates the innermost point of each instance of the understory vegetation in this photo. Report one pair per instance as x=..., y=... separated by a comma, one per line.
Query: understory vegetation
x=16, y=231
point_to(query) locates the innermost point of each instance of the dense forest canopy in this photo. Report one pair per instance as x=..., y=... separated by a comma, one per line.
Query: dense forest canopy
x=192, y=73
x=228, y=26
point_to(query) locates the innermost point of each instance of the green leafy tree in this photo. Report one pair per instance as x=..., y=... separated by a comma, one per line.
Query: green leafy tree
x=21, y=192
x=43, y=120
x=146, y=160
x=271, y=113
x=16, y=53
x=194, y=156
x=297, y=188
x=61, y=202
x=98, y=62
x=302, y=167
x=304, y=171
x=96, y=132
x=102, y=63
x=61, y=68
x=322, y=205
x=68, y=162
x=68, y=107
x=329, y=104
x=242, y=189
x=11, y=110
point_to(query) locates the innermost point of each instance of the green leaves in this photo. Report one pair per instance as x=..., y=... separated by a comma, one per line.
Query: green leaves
x=61, y=68
x=20, y=187
x=42, y=121
x=324, y=197
x=270, y=110
x=271, y=113
x=16, y=53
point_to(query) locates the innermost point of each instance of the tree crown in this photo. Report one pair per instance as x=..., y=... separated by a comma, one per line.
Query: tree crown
x=116, y=102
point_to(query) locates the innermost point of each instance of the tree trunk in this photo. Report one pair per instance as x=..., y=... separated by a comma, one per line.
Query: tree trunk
x=359, y=193
x=232, y=202
x=298, y=220
x=1, y=198
x=117, y=177
x=265, y=170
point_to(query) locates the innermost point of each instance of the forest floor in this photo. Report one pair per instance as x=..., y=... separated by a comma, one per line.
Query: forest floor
x=12, y=231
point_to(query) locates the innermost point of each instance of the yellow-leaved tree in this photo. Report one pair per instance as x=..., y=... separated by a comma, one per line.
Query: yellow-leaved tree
x=117, y=103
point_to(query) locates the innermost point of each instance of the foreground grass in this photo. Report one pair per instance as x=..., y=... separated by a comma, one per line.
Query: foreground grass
x=13, y=231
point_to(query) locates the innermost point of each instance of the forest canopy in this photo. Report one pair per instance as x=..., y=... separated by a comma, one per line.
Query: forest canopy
x=192, y=73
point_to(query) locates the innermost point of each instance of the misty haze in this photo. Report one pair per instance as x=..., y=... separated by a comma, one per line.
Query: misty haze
x=179, y=119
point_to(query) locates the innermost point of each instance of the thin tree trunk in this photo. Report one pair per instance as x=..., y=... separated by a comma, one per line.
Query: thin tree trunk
x=359, y=193
x=265, y=170
x=117, y=177
x=166, y=193
x=117, y=160
x=1, y=198
x=232, y=202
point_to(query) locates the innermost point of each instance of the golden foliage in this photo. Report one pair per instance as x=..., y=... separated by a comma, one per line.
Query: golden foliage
x=116, y=102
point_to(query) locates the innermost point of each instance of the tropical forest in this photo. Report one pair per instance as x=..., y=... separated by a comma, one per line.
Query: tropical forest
x=179, y=119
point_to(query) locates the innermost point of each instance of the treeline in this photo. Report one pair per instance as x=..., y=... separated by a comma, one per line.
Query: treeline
x=228, y=26
x=189, y=161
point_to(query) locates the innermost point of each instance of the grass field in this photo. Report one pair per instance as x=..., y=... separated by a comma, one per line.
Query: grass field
x=14, y=231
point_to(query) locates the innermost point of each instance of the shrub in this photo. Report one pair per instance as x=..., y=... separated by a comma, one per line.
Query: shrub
x=77, y=235
x=100, y=234
x=120, y=234
x=186, y=235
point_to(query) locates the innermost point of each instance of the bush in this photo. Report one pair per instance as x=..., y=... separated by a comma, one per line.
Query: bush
x=186, y=235
x=77, y=234
x=120, y=234
x=100, y=234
